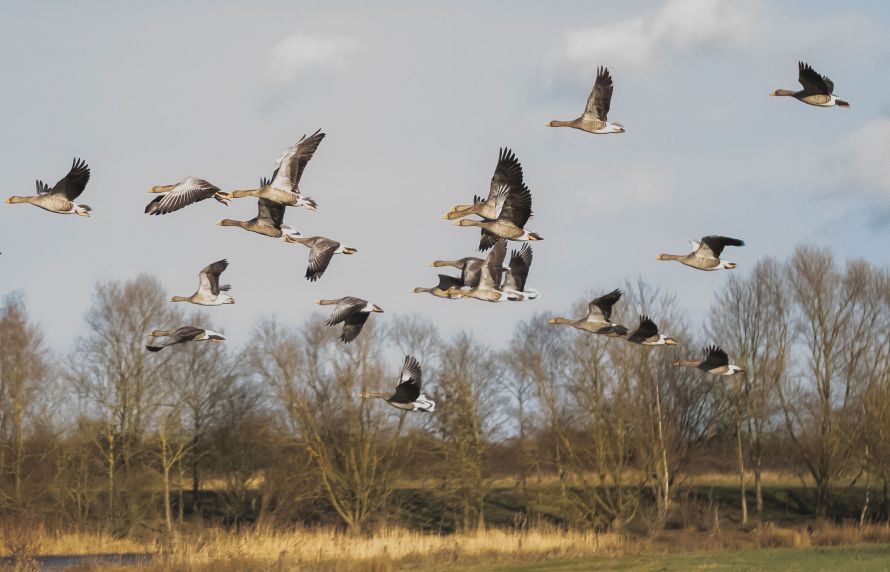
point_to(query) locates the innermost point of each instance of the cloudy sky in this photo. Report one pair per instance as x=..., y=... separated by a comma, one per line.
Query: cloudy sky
x=416, y=99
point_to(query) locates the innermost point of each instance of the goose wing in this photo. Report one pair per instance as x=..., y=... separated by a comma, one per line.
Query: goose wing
x=408, y=389
x=517, y=210
x=446, y=282
x=209, y=277
x=471, y=272
x=714, y=357
x=600, y=97
x=353, y=325
x=508, y=172
x=269, y=213
x=712, y=246
x=520, y=262
x=320, y=255
x=189, y=190
x=184, y=334
x=72, y=185
x=293, y=162
x=600, y=309
x=812, y=82
x=491, y=269
x=647, y=329
x=346, y=307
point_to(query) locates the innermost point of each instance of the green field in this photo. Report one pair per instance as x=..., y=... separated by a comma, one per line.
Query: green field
x=834, y=558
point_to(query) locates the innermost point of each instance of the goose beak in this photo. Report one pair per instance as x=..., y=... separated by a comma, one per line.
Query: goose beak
x=219, y=223
x=551, y=321
x=8, y=201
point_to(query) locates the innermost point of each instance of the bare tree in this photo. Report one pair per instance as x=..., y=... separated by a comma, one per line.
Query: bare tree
x=23, y=371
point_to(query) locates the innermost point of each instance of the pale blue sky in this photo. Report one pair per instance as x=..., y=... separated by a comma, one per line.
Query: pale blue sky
x=416, y=98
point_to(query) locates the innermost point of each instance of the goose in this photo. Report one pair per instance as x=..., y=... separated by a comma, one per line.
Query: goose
x=268, y=220
x=488, y=288
x=705, y=255
x=353, y=312
x=507, y=175
x=593, y=120
x=182, y=335
x=471, y=269
x=284, y=188
x=510, y=225
x=599, y=317
x=716, y=362
x=647, y=334
x=60, y=199
x=209, y=293
x=408, y=396
x=817, y=89
x=441, y=290
x=321, y=250
x=187, y=191
x=517, y=274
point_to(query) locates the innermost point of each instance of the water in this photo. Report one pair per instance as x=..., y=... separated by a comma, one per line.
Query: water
x=62, y=562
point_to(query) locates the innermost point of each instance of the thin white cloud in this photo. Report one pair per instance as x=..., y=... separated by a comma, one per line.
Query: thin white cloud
x=678, y=25
x=297, y=53
x=861, y=160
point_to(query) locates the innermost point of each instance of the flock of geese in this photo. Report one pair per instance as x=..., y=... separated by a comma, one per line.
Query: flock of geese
x=501, y=217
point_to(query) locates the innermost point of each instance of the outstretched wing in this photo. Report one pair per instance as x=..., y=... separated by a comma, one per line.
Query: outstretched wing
x=520, y=262
x=293, y=162
x=471, y=272
x=812, y=82
x=600, y=309
x=408, y=389
x=600, y=97
x=353, y=325
x=712, y=245
x=715, y=357
x=491, y=272
x=320, y=256
x=508, y=172
x=446, y=282
x=345, y=308
x=646, y=329
x=269, y=213
x=209, y=276
x=188, y=191
x=517, y=206
x=72, y=184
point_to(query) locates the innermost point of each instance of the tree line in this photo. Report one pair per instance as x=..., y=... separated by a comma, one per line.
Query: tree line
x=106, y=434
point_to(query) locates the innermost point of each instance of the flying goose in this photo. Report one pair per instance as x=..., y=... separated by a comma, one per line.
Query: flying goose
x=716, y=362
x=507, y=176
x=353, y=312
x=593, y=120
x=60, y=199
x=182, y=335
x=284, y=188
x=187, y=191
x=209, y=293
x=599, y=317
x=441, y=290
x=268, y=220
x=471, y=269
x=321, y=250
x=817, y=89
x=517, y=274
x=488, y=289
x=705, y=255
x=408, y=396
x=647, y=334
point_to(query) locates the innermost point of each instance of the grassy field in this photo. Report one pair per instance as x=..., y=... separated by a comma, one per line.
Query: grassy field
x=861, y=558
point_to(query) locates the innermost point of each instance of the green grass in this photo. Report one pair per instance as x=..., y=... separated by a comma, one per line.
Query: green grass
x=867, y=557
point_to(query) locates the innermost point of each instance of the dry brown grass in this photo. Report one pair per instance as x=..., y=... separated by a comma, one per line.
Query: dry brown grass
x=265, y=548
